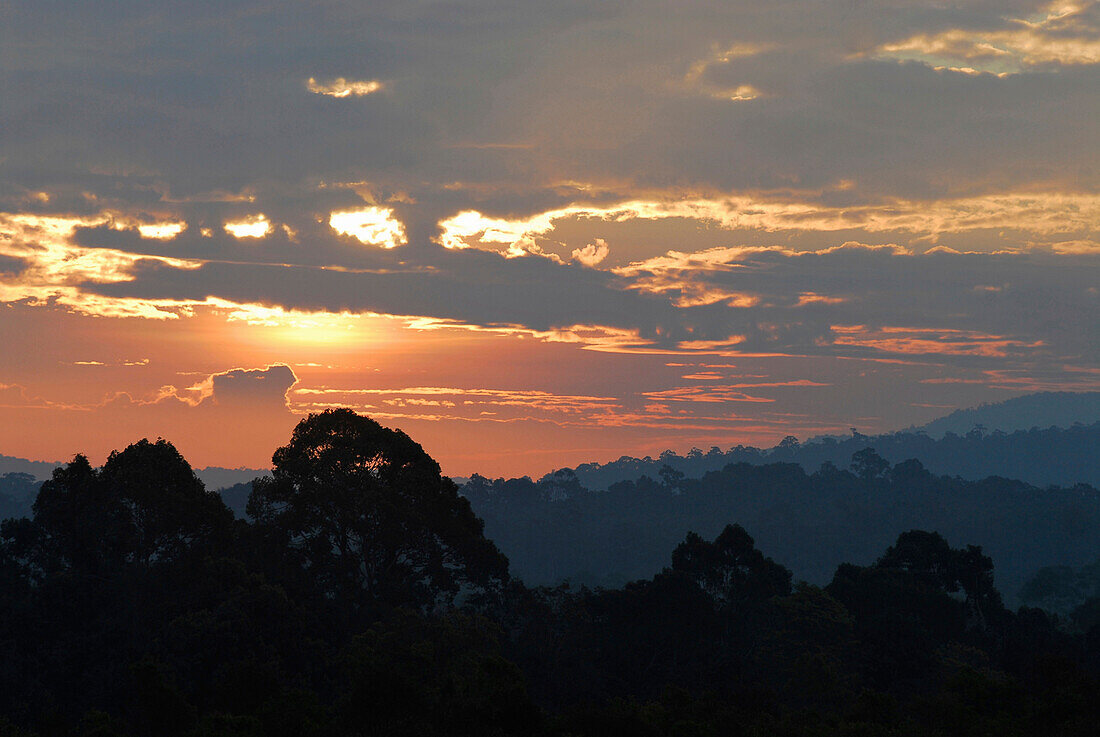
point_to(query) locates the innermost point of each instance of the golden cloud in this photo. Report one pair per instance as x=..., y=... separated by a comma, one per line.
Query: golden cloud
x=341, y=87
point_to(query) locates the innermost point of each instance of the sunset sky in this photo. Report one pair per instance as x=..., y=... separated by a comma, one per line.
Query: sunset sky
x=532, y=234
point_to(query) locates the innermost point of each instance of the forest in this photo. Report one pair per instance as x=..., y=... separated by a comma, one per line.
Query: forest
x=556, y=529
x=360, y=594
x=1043, y=456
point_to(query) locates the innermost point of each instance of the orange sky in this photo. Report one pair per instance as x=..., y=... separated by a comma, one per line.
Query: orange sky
x=498, y=403
x=533, y=235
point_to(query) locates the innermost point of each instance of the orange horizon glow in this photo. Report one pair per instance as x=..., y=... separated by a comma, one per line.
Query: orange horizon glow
x=536, y=239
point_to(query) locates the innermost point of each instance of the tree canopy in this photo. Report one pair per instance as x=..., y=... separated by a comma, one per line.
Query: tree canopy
x=132, y=605
x=371, y=516
x=145, y=506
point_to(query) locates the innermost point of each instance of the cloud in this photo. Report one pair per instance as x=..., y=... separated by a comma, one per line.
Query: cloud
x=1064, y=34
x=461, y=401
x=724, y=300
x=711, y=394
x=373, y=225
x=341, y=87
x=265, y=387
x=12, y=265
x=494, y=99
x=466, y=165
x=531, y=293
x=933, y=303
x=247, y=407
x=592, y=254
x=256, y=226
x=15, y=395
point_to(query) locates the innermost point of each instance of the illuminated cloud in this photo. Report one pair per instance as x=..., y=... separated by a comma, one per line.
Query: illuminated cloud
x=453, y=397
x=925, y=341
x=700, y=73
x=478, y=406
x=341, y=87
x=1066, y=34
x=256, y=226
x=592, y=254
x=1081, y=247
x=1044, y=216
x=15, y=395
x=54, y=268
x=373, y=225
x=741, y=93
x=712, y=394
x=726, y=156
x=161, y=230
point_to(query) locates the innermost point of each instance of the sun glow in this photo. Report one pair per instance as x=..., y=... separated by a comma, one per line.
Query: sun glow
x=372, y=225
x=254, y=227
x=341, y=88
x=161, y=231
x=269, y=325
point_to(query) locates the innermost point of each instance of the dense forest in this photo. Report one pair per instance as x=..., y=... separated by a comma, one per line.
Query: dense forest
x=1060, y=456
x=556, y=529
x=360, y=595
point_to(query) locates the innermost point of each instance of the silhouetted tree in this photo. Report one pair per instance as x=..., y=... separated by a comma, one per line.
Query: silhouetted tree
x=790, y=442
x=144, y=506
x=730, y=569
x=928, y=557
x=868, y=464
x=910, y=471
x=371, y=516
x=166, y=505
x=670, y=477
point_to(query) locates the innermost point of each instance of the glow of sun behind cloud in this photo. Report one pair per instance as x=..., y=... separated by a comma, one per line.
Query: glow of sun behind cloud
x=161, y=231
x=254, y=227
x=372, y=225
x=289, y=328
x=341, y=87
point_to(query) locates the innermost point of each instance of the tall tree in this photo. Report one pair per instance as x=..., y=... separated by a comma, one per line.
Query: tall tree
x=144, y=506
x=371, y=515
x=730, y=569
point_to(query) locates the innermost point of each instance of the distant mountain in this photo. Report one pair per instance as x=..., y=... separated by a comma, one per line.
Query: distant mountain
x=1045, y=409
x=39, y=469
x=1043, y=457
x=17, y=493
x=236, y=497
x=216, y=477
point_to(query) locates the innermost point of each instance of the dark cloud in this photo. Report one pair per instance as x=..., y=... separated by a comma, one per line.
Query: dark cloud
x=473, y=287
x=1029, y=298
x=12, y=265
x=1034, y=305
x=266, y=387
x=201, y=113
x=162, y=100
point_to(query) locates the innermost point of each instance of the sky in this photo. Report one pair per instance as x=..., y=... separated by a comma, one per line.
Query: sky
x=534, y=234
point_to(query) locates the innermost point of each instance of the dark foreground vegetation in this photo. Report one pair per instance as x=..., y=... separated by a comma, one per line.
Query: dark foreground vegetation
x=362, y=598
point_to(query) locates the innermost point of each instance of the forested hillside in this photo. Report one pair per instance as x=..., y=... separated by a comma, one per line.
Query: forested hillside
x=362, y=596
x=1058, y=456
x=556, y=529
x=1042, y=409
